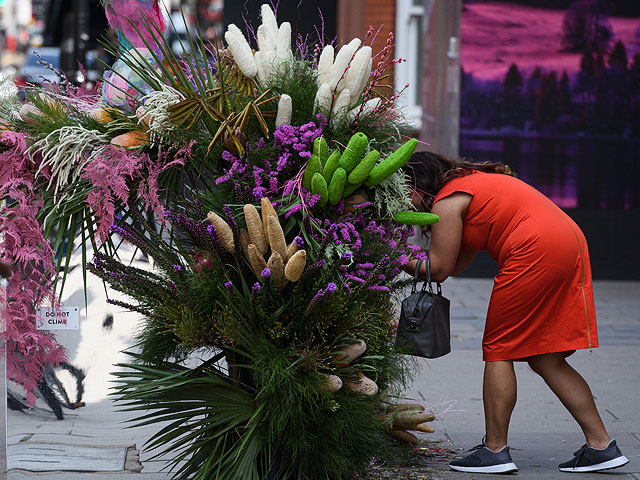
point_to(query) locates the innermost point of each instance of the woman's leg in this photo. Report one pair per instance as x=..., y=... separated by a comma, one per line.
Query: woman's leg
x=499, y=394
x=574, y=393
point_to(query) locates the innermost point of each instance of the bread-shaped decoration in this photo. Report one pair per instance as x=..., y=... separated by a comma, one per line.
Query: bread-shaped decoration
x=223, y=231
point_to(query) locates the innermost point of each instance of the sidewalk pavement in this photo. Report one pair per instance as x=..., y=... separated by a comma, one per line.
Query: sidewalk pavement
x=542, y=433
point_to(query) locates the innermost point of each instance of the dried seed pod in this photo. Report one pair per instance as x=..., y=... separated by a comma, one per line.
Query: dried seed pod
x=29, y=113
x=365, y=386
x=276, y=237
x=332, y=384
x=410, y=419
x=410, y=438
x=350, y=353
x=291, y=249
x=223, y=231
x=101, y=115
x=256, y=260
x=424, y=428
x=133, y=139
x=295, y=266
x=254, y=225
x=143, y=116
x=403, y=407
x=266, y=210
x=276, y=265
x=244, y=242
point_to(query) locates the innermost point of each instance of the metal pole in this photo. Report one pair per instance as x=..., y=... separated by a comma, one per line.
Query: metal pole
x=441, y=74
x=3, y=411
x=82, y=16
x=3, y=392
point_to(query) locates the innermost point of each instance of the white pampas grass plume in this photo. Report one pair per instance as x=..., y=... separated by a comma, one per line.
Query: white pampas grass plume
x=325, y=62
x=358, y=73
x=283, y=43
x=239, y=35
x=269, y=23
x=341, y=105
x=322, y=103
x=368, y=107
x=241, y=53
x=355, y=43
x=285, y=107
x=339, y=66
x=264, y=42
x=265, y=60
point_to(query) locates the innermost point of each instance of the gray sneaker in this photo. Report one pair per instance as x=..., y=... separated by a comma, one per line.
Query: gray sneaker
x=484, y=460
x=589, y=459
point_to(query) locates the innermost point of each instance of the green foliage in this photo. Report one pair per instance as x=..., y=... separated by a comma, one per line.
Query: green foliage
x=299, y=82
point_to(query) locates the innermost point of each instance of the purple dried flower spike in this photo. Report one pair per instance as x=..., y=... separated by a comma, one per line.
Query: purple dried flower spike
x=266, y=273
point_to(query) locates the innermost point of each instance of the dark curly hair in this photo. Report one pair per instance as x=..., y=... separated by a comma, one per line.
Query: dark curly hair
x=430, y=171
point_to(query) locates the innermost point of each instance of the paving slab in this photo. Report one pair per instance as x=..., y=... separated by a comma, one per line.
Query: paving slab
x=542, y=433
x=48, y=457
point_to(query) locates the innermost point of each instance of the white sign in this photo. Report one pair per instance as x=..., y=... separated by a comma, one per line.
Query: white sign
x=65, y=318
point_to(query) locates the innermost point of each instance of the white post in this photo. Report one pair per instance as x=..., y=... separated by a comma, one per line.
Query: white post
x=3, y=412
x=3, y=393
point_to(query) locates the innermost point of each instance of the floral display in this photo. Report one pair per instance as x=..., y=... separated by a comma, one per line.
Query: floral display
x=263, y=180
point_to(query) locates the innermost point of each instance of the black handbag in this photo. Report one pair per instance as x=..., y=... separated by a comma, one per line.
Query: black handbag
x=424, y=329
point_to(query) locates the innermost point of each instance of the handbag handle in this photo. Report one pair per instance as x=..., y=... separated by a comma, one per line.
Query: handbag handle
x=416, y=274
x=427, y=282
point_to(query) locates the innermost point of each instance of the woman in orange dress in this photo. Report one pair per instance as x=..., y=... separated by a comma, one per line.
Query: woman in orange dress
x=541, y=308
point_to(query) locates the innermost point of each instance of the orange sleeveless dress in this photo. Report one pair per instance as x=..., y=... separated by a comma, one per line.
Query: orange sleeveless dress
x=542, y=298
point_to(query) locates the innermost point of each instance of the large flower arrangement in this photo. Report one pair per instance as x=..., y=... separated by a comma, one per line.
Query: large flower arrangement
x=266, y=187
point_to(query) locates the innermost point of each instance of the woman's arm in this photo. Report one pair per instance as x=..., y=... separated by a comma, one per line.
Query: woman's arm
x=465, y=257
x=446, y=235
x=444, y=252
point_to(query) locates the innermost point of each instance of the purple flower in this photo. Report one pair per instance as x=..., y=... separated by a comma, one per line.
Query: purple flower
x=288, y=187
x=266, y=273
x=313, y=199
x=354, y=278
x=177, y=268
x=380, y=288
x=366, y=265
x=228, y=284
x=295, y=209
x=403, y=259
x=256, y=287
x=299, y=242
x=331, y=287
